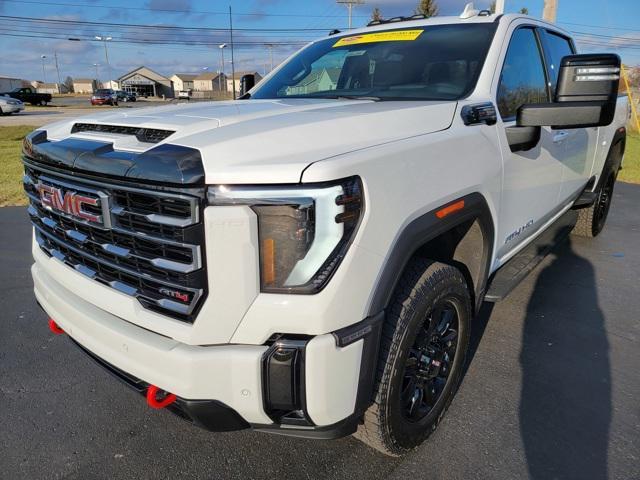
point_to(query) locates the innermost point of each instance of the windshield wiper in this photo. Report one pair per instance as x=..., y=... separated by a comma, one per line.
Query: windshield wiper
x=358, y=97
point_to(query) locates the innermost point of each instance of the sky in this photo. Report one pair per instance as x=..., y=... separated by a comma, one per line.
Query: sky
x=193, y=29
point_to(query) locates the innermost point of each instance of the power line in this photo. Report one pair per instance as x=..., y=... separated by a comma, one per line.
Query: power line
x=600, y=26
x=155, y=27
x=168, y=10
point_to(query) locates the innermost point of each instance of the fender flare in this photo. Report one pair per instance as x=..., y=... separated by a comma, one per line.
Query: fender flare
x=425, y=228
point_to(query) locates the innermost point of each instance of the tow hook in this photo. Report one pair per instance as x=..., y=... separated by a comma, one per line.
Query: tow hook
x=54, y=327
x=154, y=402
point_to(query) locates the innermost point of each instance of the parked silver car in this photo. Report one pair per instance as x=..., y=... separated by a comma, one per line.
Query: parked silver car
x=10, y=105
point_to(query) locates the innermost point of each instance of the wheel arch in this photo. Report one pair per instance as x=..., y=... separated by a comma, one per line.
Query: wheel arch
x=463, y=238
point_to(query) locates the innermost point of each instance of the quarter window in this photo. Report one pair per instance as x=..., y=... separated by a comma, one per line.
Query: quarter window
x=523, y=78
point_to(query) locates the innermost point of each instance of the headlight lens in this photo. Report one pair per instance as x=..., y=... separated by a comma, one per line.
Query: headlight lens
x=304, y=230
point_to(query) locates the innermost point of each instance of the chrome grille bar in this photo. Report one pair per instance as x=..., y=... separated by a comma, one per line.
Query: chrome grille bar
x=146, y=244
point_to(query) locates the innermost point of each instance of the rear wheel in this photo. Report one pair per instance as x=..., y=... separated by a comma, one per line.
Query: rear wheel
x=43, y=103
x=591, y=221
x=424, y=343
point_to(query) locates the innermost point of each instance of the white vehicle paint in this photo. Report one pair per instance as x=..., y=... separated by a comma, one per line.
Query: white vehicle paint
x=410, y=158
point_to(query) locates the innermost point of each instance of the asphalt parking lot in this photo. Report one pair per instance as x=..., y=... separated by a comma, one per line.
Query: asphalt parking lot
x=65, y=108
x=553, y=391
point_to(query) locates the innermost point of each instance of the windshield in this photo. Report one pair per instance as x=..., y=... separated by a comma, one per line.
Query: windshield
x=104, y=91
x=439, y=62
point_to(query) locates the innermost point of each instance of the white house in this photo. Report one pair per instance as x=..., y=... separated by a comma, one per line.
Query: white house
x=182, y=81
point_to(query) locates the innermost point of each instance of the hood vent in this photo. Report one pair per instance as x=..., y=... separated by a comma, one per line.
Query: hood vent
x=146, y=135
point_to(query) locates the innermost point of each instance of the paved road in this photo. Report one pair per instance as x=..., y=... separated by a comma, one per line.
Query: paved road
x=553, y=390
x=62, y=109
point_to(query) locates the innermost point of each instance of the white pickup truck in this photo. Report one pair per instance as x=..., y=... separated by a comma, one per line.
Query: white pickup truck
x=308, y=260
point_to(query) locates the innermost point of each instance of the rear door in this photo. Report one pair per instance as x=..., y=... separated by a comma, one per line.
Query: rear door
x=578, y=144
x=532, y=178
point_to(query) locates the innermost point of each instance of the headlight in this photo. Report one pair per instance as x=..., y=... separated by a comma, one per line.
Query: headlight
x=304, y=230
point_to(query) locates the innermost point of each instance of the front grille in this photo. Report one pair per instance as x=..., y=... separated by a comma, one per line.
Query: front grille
x=146, y=135
x=145, y=243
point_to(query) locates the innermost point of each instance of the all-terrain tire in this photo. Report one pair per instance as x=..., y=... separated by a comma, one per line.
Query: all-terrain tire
x=591, y=220
x=424, y=284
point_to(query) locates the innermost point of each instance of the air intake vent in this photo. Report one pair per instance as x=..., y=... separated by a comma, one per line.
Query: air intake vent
x=146, y=135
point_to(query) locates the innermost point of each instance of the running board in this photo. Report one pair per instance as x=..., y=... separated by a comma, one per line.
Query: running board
x=507, y=277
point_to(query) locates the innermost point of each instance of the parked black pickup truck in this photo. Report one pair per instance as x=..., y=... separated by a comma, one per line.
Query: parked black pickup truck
x=29, y=95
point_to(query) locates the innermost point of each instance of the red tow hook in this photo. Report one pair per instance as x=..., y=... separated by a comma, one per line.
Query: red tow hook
x=54, y=327
x=152, y=398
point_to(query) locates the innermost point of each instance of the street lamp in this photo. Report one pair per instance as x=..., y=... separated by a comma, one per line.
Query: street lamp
x=104, y=40
x=44, y=74
x=222, y=47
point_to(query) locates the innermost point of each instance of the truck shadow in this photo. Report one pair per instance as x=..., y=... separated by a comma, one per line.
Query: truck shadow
x=565, y=400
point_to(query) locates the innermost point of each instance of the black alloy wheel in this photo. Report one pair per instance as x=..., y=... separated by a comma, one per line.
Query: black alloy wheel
x=429, y=362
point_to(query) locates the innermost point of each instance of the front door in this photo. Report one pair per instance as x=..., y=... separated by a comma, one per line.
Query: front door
x=531, y=179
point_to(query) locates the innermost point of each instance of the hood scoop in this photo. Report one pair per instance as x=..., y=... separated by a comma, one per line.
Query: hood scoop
x=145, y=135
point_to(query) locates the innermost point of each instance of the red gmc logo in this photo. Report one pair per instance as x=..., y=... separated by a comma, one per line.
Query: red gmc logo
x=68, y=202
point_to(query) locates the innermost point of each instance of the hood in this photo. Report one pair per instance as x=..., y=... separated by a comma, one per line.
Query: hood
x=269, y=141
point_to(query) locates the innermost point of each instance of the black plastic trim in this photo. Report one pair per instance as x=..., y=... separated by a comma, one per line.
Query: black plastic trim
x=426, y=228
x=211, y=415
x=341, y=429
x=165, y=164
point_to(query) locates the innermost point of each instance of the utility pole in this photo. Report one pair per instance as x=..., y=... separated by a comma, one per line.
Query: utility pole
x=499, y=7
x=350, y=4
x=222, y=47
x=550, y=10
x=55, y=55
x=97, y=72
x=233, y=64
x=270, y=47
x=104, y=39
x=44, y=74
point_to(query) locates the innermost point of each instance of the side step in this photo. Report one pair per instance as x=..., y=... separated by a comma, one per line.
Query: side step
x=507, y=277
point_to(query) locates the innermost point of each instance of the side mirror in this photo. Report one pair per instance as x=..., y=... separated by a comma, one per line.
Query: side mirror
x=247, y=82
x=585, y=95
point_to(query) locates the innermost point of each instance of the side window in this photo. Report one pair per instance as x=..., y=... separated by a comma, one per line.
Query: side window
x=557, y=47
x=522, y=79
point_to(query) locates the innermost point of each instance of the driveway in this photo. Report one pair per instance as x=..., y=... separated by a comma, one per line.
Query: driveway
x=553, y=390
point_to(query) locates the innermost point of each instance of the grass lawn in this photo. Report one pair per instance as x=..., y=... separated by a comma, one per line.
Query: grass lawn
x=631, y=168
x=11, y=171
x=11, y=192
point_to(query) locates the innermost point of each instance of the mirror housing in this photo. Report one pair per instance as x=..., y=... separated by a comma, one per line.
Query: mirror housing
x=585, y=95
x=247, y=82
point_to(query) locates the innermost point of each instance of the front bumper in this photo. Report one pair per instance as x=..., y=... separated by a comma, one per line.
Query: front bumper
x=101, y=101
x=219, y=387
x=12, y=108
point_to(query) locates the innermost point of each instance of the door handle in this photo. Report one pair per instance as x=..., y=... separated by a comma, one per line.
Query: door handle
x=560, y=137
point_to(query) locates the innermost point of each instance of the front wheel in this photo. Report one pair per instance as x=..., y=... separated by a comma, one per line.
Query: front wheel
x=424, y=343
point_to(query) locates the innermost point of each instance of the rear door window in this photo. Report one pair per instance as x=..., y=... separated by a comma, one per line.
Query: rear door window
x=556, y=47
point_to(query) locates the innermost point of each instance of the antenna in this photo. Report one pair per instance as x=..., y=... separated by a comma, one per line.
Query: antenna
x=350, y=4
x=469, y=11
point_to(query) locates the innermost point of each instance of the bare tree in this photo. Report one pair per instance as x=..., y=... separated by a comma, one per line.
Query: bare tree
x=376, y=15
x=524, y=11
x=428, y=8
x=68, y=84
x=492, y=6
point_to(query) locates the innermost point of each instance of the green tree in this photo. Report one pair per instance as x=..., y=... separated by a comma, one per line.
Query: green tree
x=428, y=8
x=524, y=11
x=376, y=15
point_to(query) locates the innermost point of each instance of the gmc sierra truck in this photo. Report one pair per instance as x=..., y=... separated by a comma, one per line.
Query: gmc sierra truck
x=307, y=260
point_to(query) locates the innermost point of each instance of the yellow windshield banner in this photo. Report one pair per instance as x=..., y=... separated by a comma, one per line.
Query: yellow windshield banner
x=398, y=36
